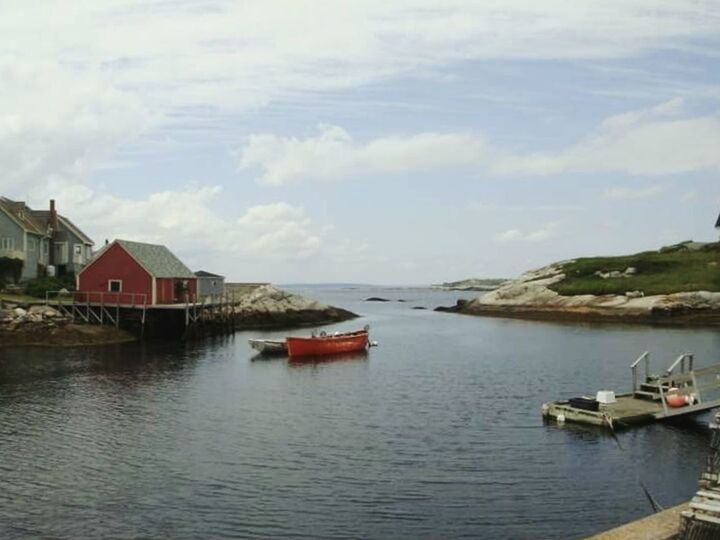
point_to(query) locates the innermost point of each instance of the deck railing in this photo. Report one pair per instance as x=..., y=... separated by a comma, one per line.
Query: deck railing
x=681, y=360
x=644, y=356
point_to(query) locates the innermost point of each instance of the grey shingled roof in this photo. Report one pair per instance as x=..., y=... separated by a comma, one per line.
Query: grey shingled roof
x=203, y=273
x=23, y=216
x=156, y=259
x=64, y=223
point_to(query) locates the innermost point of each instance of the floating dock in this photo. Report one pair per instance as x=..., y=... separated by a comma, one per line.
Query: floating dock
x=656, y=398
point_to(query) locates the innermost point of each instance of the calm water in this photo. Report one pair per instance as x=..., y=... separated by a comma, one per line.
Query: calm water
x=436, y=433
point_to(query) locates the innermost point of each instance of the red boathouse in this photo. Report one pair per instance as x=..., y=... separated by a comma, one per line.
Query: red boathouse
x=136, y=273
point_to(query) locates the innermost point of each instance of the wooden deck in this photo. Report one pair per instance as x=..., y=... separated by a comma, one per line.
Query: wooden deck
x=648, y=401
x=664, y=525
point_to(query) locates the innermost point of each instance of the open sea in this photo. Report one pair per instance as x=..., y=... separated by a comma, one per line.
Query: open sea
x=435, y=433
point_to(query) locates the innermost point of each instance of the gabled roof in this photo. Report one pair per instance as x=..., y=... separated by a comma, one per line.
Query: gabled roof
x=23, y=216
x=203, y=273
x=158, y=260
x=65, y=224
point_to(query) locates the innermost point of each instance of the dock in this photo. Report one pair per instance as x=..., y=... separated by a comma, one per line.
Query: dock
x=653, y=399
x=134, y=312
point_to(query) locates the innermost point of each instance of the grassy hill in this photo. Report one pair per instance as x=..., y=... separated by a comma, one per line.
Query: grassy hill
x=679, y=268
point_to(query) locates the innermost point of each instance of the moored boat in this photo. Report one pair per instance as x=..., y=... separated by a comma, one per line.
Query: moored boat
x=324, y=344
x=269, y=346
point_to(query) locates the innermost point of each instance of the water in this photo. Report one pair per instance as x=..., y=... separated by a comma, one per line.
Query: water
x=436, y=433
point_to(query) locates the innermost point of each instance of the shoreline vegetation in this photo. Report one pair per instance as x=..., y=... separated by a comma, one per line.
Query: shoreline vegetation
x=678, y=284
x=24, y=323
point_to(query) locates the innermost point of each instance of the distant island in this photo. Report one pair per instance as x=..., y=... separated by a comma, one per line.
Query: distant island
x=675, y=284
x=472, y=284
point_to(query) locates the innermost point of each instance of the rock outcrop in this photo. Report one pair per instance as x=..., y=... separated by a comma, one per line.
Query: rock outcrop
x=42, y=325
x=267, y=307
x=530, y=296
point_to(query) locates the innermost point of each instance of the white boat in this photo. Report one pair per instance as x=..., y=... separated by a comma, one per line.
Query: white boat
x=269, y=346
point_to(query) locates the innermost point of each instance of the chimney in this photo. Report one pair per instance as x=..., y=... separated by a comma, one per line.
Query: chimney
x=53, y=216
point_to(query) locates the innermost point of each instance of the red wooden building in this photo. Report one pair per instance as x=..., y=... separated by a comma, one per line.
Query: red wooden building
x=136, y=273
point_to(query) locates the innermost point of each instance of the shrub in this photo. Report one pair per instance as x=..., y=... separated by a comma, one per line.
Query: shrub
x=40, y=286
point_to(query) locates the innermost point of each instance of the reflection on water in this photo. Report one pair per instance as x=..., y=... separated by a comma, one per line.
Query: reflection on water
x=309, y=361
x=436, y=433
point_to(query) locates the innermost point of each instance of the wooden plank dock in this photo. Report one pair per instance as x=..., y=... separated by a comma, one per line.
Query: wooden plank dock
x=656, y=398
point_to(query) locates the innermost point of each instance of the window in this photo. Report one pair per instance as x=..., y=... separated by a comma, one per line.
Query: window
x=46, y=247
x=78, y=249
x=7, y=243
x=31, y=243
x=115, y=285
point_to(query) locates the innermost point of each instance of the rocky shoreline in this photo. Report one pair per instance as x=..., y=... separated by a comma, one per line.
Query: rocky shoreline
x=44, y=326
x=264, y=307
x=271, y=308
x=530, y=297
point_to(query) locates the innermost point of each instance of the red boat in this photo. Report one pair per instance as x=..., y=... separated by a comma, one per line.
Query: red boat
x=322, y=344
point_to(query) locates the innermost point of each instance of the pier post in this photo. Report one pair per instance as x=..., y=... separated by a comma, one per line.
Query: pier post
x=702, y=520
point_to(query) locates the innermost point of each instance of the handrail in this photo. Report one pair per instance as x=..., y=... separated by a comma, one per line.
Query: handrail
x=681, y=360
x=641, y=357
x=644, y=356
x=114, y=298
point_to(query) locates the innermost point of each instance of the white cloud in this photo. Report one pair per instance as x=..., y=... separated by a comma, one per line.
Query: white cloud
x=545, y=232
x=509, y=235
x=647, y=142
x=186, y=222
x=650, y=142
x=333, y=155
x=58, y=124
x=626, y=193
x=77, y=86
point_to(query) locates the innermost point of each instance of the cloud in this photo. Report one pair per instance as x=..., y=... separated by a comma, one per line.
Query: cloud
x=185, y=220
x=334, y=155
x=626, y=193
x=545, y=232
x=509, y=235
x=57, y=124
x=107, y=71
x=651, y=142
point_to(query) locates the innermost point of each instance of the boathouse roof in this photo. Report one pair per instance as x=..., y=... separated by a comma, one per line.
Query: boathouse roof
x=203, y=273
x=157, y=259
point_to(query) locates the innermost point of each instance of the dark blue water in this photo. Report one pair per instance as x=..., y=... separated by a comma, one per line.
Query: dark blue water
x=436, y=433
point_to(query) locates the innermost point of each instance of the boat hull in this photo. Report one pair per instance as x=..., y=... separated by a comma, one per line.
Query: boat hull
x=268, y=346
x=324, y=345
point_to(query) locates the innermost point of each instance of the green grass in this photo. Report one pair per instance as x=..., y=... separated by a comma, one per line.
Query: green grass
x=16, y=298
x=658, y=272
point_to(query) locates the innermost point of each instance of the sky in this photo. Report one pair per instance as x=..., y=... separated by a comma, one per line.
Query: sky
x=387, y=142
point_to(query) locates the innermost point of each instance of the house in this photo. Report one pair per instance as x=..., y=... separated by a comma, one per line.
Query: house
x=209, y=284
x=135, y=272
x=24, y=242
x=38, y=239
x=71, y=248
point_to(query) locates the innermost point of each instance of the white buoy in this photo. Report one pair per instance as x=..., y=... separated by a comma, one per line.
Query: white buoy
x=560, y=418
